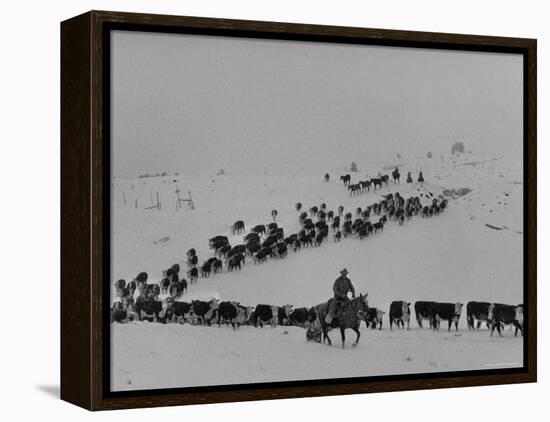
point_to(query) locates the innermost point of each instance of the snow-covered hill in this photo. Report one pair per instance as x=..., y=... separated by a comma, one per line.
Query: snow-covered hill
x=473, y=251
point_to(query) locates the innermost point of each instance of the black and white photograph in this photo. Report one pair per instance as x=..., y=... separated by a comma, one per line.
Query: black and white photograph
x=288, y=210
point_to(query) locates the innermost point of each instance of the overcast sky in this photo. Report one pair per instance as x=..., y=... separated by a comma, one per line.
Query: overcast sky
x=198, y=103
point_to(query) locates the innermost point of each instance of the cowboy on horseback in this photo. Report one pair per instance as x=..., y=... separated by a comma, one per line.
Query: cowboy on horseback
x=342, y=285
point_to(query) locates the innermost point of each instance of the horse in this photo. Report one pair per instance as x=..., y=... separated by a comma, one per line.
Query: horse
x=354, y=189
x=352, y=313
x=346, y=179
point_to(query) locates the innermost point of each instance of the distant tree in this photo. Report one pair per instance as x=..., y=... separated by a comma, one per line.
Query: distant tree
x=429, y=154
x=164, y=174
x=398, y=156
x=220, y=173
x=457, y=148
x=353, y=166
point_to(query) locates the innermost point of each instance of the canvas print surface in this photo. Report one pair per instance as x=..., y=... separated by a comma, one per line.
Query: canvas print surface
x=265, y=193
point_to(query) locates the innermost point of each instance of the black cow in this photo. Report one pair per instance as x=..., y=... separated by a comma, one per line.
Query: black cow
x=234, y=263
x=180, y=311
x=142, y=277
x=251, y=237
x=118, y=312
x=224, y=250
x=165, y=285
x=268, y=314
x=346, y=179
x=283, y=313
x=211, y=260
x=302, y=317
x=446, y=311
x=192, y=261
x=477, y=312
x=206, y=268
x=265, y=314
x=178, y=289
x=150, y=308
x=291, y=239
x=259, y=229
x=232, y=313
x=237, y=227
x=281, y=250
x=500, y=314
x=237, y=249
x=423, y=311
x=217, y=266
x=203, y=311
x=151, y=290
x=193, y=274
x=400, y=312
x=298, y=206
x=217, y=240
x=327, y=177
x=252, y=248
x=261, y=256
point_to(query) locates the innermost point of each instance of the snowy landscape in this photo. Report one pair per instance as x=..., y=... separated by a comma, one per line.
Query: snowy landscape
x=472, y=251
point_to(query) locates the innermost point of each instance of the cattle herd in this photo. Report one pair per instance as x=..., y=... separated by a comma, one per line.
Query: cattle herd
x=148, y=307
x=141, y=300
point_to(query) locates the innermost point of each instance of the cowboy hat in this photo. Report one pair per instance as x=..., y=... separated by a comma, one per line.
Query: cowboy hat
x=344, y=272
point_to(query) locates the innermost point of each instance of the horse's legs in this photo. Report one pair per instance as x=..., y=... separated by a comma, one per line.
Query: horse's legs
x=343, y=334
x=325, y=336
x=356, y=329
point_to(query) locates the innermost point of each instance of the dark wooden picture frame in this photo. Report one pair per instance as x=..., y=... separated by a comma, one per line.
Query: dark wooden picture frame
x=85, y=221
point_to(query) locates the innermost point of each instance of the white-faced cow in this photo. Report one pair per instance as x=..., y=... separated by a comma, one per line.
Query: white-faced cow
x=151, y=309
x=302, y=317
x=400, y=312
x=203, y=311
x=265, y=314
x=500, y=315
x=374, y=317
x=232, y=313
x=180, y=312
x=449, y=312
